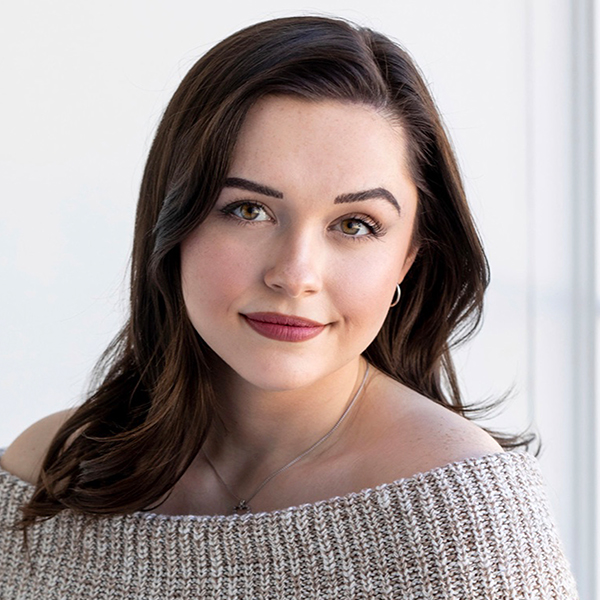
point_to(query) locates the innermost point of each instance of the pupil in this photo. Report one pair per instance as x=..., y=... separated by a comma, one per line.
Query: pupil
x=351, y=226
x=250, y=211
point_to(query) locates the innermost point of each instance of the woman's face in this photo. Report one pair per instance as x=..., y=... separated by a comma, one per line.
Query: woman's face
x=314, y=222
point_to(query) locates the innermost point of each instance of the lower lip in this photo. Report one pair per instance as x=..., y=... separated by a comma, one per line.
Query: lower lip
x=284, y=333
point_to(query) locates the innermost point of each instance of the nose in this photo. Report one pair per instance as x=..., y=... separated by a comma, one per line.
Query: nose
x=295, y=266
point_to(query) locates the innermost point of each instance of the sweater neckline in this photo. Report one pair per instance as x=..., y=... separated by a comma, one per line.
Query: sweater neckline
x=495, y=459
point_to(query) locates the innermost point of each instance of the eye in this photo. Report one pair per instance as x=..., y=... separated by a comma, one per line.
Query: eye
x=354, y=227
x=360, y=227
x=247, y=211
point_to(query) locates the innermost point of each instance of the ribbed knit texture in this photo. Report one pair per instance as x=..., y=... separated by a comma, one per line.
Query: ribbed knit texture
x=474, y=529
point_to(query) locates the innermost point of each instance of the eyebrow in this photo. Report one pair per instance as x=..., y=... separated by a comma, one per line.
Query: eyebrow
x=252, y=186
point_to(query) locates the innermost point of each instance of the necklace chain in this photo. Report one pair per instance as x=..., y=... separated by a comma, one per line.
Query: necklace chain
x=243, y=505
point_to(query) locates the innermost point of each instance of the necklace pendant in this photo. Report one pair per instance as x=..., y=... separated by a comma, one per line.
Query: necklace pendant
x=242, y=507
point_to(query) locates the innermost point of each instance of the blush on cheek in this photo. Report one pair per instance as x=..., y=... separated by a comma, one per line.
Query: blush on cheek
x=213, y=275
x=227, y=267
x=367, y=283
x=363, y=302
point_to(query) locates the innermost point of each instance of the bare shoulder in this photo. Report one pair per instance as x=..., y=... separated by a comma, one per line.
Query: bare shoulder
x=441, y=436
x=23, y=458
x=415, y=434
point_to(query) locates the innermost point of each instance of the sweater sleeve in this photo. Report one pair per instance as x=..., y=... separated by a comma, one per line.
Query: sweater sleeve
x=484, y=529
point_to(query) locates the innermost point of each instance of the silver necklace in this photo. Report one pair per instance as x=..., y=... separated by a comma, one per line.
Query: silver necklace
x=243, y=506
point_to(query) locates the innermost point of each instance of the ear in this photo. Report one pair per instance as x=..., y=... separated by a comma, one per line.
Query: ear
x=408, y=261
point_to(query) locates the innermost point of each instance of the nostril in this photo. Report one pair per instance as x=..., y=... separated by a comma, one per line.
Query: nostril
x=293, y=273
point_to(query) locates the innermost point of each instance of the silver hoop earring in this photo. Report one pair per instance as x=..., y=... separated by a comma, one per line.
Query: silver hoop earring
x=398, y=292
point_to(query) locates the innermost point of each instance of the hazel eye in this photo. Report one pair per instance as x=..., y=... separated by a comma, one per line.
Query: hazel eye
x=249, y=211
x=355, y=227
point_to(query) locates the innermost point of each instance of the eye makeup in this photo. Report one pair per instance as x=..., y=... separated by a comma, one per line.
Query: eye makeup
x=253, y=208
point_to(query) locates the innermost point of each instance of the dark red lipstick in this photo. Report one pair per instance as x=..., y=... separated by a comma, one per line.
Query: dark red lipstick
x=285, y=328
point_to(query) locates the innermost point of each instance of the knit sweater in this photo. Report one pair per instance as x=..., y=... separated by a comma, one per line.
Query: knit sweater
x=474, y=529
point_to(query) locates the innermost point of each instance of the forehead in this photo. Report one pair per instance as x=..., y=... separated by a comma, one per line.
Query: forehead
x=337, y=144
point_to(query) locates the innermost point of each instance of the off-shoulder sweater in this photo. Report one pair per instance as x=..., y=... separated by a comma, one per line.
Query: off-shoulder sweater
x=479, y=528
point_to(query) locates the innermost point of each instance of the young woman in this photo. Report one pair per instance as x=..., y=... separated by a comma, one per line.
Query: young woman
x=280, y=417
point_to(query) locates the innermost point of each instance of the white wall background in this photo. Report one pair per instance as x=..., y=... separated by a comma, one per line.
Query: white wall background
x=84, y=85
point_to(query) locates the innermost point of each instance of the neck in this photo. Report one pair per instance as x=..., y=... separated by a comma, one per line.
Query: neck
x=264, y=430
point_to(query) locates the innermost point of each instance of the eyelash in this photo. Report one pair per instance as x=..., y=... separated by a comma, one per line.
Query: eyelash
x=376, y=228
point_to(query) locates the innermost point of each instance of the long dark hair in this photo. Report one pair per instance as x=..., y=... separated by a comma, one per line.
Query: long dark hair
x=128, y=444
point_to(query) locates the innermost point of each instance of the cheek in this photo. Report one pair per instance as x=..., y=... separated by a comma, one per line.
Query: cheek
x=364, y=290
x=212, y=274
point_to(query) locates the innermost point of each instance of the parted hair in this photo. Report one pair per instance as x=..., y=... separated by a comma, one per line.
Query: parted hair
x=152, y=400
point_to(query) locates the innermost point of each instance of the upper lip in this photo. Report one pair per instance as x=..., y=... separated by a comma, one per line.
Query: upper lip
x=280, y=319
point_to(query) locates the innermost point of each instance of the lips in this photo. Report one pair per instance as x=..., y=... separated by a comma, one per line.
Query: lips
x=286, y=328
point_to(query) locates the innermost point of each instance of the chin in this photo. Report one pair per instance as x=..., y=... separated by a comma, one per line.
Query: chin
x=284, y=382
x=279, y=376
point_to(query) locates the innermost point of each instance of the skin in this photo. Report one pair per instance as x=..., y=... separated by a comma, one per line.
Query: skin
x=298, y=256
x=304, y=255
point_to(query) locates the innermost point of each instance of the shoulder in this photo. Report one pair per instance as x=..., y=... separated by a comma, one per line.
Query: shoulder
x=24, y=457
x=441, y=436
x=412, y=434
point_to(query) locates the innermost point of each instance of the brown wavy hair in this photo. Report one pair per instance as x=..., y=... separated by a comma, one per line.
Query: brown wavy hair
x=153, y=402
